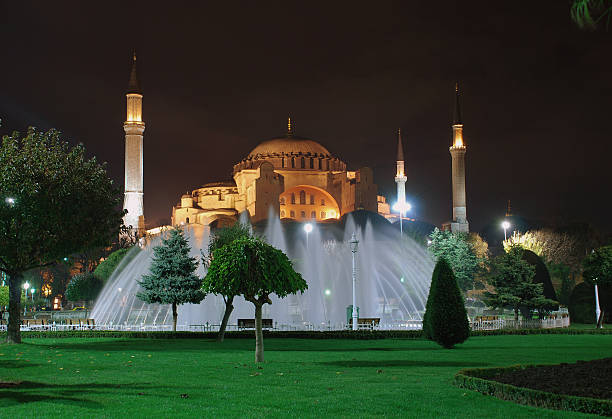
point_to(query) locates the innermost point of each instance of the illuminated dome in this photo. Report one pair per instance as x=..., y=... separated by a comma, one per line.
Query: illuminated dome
x=289, y=145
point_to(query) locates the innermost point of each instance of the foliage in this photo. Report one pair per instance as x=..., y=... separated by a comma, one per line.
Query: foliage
x=542, y=276
x=458, y=249
x=55, y=202
x=561, y=274
x=445, y=320
x=481, y=380
x=172, y=279
x=513, y=279
x=582, y=303
x=222, y=238
x=597, y=267
x=528, y=240
x=106, y=268
x=252, y=268
x=588, y=14
x=4, y=297
x=85, y=287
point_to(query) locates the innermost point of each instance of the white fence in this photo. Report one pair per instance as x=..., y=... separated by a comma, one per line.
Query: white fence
x=497, y=324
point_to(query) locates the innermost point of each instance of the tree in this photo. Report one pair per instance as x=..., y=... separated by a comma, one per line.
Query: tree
x=254, y=269
x=588, y=14
x=222, y=238
x=54, y=203
x=4, y=300
x=597, y=270
x=459, y=252
x=172, y=279
x=513, y=279
x=106, y=268
x=445, y=320
x=85, y=287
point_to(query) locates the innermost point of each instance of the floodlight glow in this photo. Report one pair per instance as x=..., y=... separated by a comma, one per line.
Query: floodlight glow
x=26, y=286
x=307, y=227
x=402, y=279
x=10, y=201
x=327, y=292
x=505, y=225
x=399, y=207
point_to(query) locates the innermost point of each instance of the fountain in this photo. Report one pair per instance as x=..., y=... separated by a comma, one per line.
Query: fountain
x=393, y=281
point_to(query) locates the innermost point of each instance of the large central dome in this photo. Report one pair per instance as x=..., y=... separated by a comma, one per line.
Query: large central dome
x=289, y=145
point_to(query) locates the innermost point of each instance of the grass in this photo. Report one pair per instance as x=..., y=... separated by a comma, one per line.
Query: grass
x=134, y=378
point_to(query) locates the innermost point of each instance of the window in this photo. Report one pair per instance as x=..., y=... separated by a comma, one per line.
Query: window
x=303, y=163
x=187, y=220
x=282, y=213
x=327, y=163
x=322, y=201
x=292, y=214
x=322, y=214
x=282, y=201
x=302, y=197
x=283, y=162
x=303, y=214
x=312, y=200
x=293, y=162
x=311, y=163
x=320, y=164
x=313, y=214
x=292, y=198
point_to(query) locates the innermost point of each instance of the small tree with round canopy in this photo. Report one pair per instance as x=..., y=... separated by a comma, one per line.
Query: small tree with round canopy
x=172, y=279
x=252, y=268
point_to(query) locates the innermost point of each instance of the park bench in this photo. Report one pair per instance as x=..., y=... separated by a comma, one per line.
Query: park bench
x=250, y=324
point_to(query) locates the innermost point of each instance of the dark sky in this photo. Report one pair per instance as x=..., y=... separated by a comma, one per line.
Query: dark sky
x=219, y=78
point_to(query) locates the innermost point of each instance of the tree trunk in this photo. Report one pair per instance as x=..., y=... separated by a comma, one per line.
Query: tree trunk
x=600, y=320
x=259, y=346
x=174, y=317
x=14, y=322
x=228, y=311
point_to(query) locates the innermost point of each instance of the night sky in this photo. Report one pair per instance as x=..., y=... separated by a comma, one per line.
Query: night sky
x=220, y=78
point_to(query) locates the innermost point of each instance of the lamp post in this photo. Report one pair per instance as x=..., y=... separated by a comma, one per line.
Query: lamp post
x=402, y=207
x=32, y=292
x=505, y=225
x=354, y=244
x=25, y=287
x=307, y=229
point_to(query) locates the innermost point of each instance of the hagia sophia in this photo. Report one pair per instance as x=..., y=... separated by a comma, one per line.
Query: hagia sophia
x=295, y=177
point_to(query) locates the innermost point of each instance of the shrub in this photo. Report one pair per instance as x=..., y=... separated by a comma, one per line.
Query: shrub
x=84, y=287
x=582, y=303
x=445, y=320
x=105, y=269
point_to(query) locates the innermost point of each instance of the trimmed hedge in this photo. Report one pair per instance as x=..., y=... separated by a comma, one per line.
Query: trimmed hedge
x=476, y=379
x=333, y=334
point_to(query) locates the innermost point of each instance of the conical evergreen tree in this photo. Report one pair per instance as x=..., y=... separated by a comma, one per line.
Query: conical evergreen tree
x=445, y=320
x=172, y=279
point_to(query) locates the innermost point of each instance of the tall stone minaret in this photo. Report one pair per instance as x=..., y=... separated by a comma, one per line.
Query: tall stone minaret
x=400, y=174
x=134, y=128
x=457, y=151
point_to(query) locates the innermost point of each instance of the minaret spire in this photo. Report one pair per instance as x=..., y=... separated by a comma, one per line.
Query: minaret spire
x=134, y=128
x=400, y=175
x=400, y=148
x=457, y=150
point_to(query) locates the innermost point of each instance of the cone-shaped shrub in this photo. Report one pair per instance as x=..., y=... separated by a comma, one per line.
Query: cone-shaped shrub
x=445, y=320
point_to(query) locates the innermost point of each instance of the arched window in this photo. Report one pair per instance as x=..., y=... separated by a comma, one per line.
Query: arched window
x=282, y=213
x=303, y=163
x=303, y=214
x=292, y=198
x=293, y=162
x=282, y=200
x=322, y=201
x=327, y=164
x=292, y=214
x=311, y=163
x=322, y=214
x=283, y=162
x=187, y=220
x=320, y=164
x=302, y=197
x=312, y=200
x=313, y=214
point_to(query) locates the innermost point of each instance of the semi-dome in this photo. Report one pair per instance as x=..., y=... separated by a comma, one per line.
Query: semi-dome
x=289, y=145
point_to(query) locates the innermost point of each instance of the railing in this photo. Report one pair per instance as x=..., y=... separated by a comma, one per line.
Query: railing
x=548, y=323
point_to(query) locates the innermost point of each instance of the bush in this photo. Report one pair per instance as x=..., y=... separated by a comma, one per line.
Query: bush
x=445, y=320
x=542, y=276
x=582, y=303
x=105, y=269
x=84, y=287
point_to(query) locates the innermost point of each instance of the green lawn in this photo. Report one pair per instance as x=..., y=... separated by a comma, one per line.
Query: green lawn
x=306, y=378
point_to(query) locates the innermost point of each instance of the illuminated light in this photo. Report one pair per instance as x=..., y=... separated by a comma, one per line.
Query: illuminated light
x=402, y=279
x=307, y=227
x=10, y=201
x=26, y=286
x=505, y=225
x=328, y=292
x=402, y=207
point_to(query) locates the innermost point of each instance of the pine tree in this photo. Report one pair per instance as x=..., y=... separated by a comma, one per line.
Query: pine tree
x=445, y=320
x=172, y=279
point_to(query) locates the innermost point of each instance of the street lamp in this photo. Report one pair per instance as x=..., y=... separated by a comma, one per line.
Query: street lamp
x=307, y=229
x=25, y=287
x=32, y=292
x=505, y=225
x=10, y=201
x=354, y=244
x=402, y=207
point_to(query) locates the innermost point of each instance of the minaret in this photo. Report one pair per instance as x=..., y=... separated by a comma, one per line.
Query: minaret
x=289, y=128
x=400, y=175
x=457, y=150
x=134, y=128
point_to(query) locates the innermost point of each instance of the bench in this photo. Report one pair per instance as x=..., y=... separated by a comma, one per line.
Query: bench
x=250, y=324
